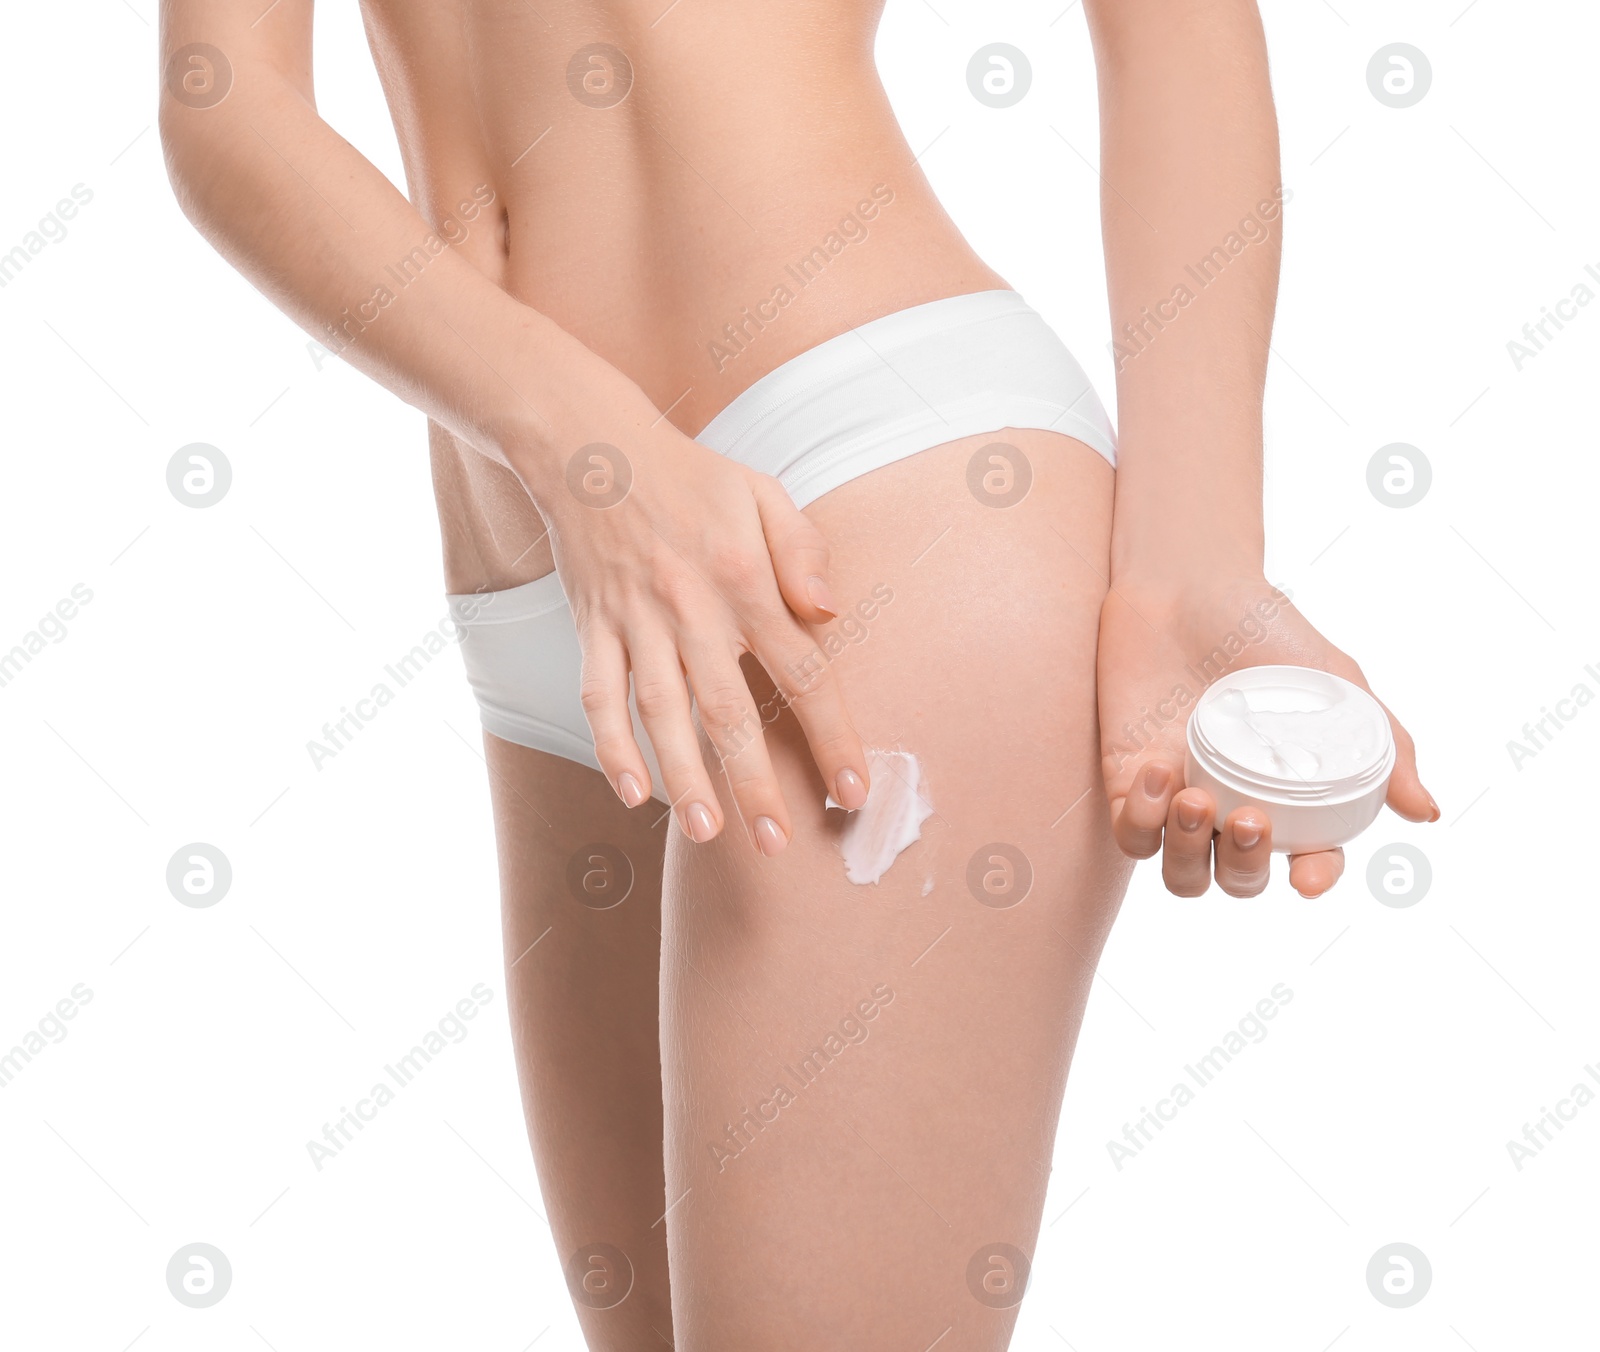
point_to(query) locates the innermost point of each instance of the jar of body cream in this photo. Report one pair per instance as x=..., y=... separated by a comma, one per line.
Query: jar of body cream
x=1312, y=750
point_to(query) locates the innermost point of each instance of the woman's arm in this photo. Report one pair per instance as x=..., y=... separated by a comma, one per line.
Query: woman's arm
x=315, y=226
x=1192, y=217
x=1189, y=154
x=702, y=560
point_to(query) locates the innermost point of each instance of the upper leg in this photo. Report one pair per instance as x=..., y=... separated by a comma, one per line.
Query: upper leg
x=581, y=906
x=846, y=1206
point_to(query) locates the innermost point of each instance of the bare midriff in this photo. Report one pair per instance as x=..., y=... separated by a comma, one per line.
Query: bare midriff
x=697, y=193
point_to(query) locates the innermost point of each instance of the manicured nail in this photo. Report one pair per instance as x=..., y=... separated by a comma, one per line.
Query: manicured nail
x=769, y=836
x=849, y=791
x=1435, y=807
x=1190, y=815
x=1156, y=779
x=629, y=791
x=820, y=596
x=702, y=825
x=1246, y=833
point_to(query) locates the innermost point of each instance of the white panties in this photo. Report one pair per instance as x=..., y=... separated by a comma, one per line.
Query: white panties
x=905, y=383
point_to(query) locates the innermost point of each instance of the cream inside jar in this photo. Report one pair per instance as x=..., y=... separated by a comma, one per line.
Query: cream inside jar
x=1310, y=748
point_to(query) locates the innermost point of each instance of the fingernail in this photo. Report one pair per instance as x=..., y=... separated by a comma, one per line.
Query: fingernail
x=1190, y=815
x=629, y=791
x=820, y=596
x=1435, y=807
x=1246, y=833
x=848, y=791
x=701, y=824
x=769, y=836
x=1156, y=779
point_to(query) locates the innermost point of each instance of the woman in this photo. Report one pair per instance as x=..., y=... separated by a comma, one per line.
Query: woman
x=721, y=401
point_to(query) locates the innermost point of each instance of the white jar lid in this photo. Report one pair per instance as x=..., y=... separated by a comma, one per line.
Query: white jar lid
x=1291, y=734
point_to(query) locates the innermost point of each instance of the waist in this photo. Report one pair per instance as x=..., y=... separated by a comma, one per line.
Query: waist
x=696, y=194
x=695, y=310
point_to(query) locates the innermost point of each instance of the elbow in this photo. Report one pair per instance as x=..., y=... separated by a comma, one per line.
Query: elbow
x=196, y=79
x=194, y=157
x=178, y=152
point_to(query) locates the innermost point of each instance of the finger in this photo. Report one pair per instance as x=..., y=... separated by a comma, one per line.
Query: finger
x=809, y=687
x=1186, y=860
x=1137, y=828
x=799, y=552
x=604, y=693
x=1244, y=850
x=1406, y=794
x=662, y=698
x=1313, y=874
x=732, y=724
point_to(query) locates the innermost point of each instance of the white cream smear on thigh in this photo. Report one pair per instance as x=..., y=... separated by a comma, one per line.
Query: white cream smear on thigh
x=891, y=818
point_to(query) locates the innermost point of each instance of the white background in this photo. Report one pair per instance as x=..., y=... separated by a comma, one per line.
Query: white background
x=178, y=706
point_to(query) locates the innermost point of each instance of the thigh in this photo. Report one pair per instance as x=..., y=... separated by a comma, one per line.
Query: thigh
x=863, y=1082
x=581, y=907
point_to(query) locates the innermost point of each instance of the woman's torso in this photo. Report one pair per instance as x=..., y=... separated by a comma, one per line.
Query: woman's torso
x=698, y=193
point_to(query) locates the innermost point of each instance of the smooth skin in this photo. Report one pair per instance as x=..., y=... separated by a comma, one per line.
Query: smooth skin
x=597, y=247
x=853, y=1217
x=1189, y=150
